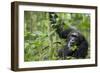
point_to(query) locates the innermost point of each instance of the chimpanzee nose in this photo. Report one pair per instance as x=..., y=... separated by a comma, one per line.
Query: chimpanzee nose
x=71, y=43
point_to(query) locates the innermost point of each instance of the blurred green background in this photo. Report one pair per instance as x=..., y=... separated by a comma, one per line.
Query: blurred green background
x=40, y=39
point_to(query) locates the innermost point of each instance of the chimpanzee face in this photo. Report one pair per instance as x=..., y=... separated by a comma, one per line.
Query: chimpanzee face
x=73, y=40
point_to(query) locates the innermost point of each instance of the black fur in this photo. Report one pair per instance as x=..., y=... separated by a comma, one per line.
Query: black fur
x=80, y=41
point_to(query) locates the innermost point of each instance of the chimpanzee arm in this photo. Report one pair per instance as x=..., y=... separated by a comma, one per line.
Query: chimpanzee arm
x=58, y=25
x=82, y=51
x=62, y=33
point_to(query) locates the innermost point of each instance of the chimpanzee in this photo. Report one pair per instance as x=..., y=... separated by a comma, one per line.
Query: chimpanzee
x=76, y=44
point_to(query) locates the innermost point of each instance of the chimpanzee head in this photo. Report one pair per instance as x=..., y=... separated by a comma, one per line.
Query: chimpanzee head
x=73, y=40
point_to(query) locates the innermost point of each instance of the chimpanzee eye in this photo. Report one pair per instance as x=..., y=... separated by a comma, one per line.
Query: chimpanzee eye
x=73, y=35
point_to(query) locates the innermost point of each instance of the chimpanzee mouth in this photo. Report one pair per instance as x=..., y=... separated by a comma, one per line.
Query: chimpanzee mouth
x=72, y=46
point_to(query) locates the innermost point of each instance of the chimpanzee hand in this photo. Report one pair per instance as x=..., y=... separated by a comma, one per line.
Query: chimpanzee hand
x=53, y=16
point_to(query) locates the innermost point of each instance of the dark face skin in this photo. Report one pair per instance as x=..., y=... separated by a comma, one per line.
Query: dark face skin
x=73, y=40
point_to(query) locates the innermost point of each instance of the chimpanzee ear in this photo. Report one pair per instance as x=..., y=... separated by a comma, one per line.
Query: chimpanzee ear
x=81, y=38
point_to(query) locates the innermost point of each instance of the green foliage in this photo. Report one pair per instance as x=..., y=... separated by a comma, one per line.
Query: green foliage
x=41, y=41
